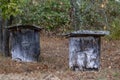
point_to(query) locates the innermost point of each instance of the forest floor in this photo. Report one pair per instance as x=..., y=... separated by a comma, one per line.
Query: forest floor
x=53, y=63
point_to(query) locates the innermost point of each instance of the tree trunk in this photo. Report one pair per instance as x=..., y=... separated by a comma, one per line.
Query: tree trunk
x=5, y=36
x=6, y=43
x=1, y=35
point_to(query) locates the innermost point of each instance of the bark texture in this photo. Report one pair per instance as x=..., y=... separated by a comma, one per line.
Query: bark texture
x=1, y=35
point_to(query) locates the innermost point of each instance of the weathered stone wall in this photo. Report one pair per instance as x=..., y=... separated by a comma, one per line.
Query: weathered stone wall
x=25, y=45
x=84, y=53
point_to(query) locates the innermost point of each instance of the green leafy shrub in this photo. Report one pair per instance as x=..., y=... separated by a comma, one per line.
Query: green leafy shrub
x=113, y=10
x=113, y=14
x=10, y=8
x=95, y=14
x=51, y=14
x=54, y=14
x=90, y=14
x=115, y=29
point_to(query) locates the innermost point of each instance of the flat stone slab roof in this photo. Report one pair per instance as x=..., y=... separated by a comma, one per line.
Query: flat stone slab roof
x=22, y=26
x=87, y=33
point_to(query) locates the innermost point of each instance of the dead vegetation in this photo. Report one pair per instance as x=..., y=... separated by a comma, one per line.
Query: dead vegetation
x=53, y=63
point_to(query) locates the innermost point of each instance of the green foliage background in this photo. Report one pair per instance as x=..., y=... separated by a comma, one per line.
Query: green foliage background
x=10, y=7
x=50, y=14
x=54, y=15
x=89, y=14
x=113, y=13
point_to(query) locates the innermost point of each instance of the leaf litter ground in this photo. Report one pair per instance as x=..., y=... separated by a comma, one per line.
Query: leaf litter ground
x=53, y=63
